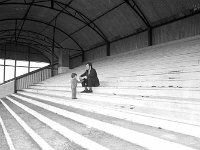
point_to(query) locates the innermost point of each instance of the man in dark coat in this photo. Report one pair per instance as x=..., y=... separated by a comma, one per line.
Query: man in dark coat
x=89, y=78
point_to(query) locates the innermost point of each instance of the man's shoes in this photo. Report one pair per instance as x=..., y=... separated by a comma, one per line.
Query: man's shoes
x=89, y=91
x=74, y=98
x=85, y=91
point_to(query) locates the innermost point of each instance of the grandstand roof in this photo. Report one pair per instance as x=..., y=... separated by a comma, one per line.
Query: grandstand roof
x=83, y=24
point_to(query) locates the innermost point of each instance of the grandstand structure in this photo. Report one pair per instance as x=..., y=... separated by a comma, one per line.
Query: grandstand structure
x=146, y=54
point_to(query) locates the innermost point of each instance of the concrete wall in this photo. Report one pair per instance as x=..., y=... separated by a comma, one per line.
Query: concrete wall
x=6, y=89
x=128, y=44
x=95, y=53
x=75, y=62
x=177, y=30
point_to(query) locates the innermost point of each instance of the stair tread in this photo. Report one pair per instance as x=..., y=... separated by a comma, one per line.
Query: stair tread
x=122, y=123
x=21, y=139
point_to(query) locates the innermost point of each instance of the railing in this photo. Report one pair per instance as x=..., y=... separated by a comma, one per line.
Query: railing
x=24, y=81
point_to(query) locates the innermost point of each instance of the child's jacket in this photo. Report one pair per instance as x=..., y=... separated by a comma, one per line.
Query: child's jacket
x=74, y=82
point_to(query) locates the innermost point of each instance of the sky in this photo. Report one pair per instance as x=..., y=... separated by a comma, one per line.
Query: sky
x=22, y=68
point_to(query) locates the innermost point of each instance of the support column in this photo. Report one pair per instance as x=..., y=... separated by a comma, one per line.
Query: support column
x=29, y=59
x=15, y=72
x=108, y=49
x=4, y=67
x=83, y=56
x=150, y=37
x=63, y=61
x=52, y=52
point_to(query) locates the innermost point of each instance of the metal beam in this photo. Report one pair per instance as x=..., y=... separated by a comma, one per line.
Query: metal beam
x=92, y=21
x=39, y=34
x=95, y=28
x=37, y=43
x=52, y=51
x=24, y=19
x=85, y=20
x=42, y=22
x=28, y=45
x=137, y=10
x=24, y=38
x=35, y=33
x=54, y=18
x=4, y=1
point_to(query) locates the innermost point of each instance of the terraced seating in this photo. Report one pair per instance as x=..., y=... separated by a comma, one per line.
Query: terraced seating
x=148, y=99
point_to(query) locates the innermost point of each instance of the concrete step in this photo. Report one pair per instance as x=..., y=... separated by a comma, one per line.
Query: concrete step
x=182, y=114
x=56, y=135
x=167, y=103
x=146, y=116
x=163, y=74
x=5, y=140
x=141, y=140
x=180, y=74
x=139, y=91
x=18, y=138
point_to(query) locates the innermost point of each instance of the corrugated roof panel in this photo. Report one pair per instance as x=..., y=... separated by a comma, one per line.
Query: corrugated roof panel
x=68, y=43
x=177, y=6
x=42, y=13
x=68, y=23
x=87, y=37
x=4, y=25
x=153, y=9
x=59, y=36
x=156, y=10
x=33, y=26
x=120, y=22
x=94, y=8
x=12, y=11
x=65, y=1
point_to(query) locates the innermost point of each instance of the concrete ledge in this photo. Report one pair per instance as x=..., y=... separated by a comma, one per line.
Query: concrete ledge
x=73, y=136
x=190, y=107
x=35, y=136
x=123, y=133
x=141, y=118
x=7, y=89
x=8, y=139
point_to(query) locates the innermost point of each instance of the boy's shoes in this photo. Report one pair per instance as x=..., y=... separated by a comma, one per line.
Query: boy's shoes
x=74, y=98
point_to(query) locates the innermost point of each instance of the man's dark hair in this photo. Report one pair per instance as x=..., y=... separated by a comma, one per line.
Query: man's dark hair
x=73, y=75
x=89, y=63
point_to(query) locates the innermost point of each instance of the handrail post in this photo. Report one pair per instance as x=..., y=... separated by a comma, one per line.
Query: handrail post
x=52, y=71
x=15, y=85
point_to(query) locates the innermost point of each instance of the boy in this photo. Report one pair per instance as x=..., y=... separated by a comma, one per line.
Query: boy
x=74, y=82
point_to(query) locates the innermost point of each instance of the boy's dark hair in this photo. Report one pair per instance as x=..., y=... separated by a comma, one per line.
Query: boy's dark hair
x=73, y=75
